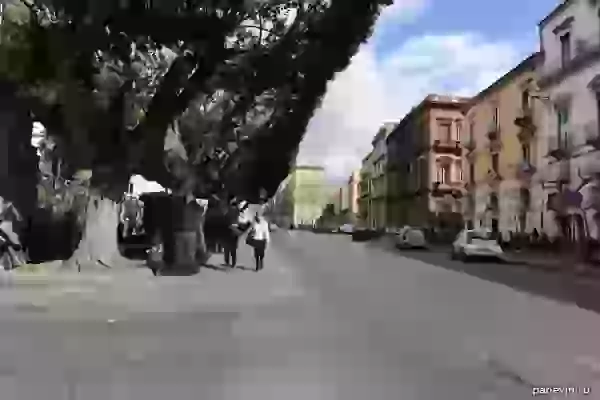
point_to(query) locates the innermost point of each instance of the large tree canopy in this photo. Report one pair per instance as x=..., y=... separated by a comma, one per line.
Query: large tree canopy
x=233, y=83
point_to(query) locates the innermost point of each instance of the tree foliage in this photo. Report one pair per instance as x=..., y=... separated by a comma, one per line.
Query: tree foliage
x=233, y=82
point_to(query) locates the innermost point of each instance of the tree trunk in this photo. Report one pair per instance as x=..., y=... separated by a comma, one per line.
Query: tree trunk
x=98, y=248
x=18, y=160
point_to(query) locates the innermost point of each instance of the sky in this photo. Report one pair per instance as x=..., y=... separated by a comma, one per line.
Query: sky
x=418, y=47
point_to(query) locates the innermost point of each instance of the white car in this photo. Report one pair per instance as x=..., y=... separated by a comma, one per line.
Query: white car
x=410, y=238
x=476, y=243
x=346, y=228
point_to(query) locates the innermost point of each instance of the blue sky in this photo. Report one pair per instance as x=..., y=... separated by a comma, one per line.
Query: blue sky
x=418, y=47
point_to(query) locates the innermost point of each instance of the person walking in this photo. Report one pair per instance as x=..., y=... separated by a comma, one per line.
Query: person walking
x=231, y=235
x=12, y=254
x=259, y=239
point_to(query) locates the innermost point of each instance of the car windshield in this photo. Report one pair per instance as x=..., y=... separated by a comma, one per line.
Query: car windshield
x=480, y=235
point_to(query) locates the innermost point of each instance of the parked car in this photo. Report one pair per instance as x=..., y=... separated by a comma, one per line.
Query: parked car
x=472, y=243
x=362, y=234
x=346, y=228
x=410, y=238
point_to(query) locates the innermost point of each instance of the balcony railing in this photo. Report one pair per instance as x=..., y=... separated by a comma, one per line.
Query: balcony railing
x=525, y=171
x=447, y=146
x=525, y=121
x=559, y=147
x=495, y=146
x=592, y=138
x=454, y=188
x=493, y=177
x=585, y=50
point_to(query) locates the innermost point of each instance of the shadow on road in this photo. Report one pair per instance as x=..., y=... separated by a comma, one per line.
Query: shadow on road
x=243, y=268
x=563, y=287
x=178, y=271
x=220, y=268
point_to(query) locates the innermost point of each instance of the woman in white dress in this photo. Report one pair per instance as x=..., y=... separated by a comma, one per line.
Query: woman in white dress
x=260, y=237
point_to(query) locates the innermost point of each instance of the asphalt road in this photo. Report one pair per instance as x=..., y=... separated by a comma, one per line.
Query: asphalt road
x=326, y=319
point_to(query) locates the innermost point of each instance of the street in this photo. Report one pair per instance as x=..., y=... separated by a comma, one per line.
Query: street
x=326, y=319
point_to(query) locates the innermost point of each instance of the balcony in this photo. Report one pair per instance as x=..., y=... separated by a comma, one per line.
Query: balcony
x=525, y=121
x=493, y=131
x=560, y=202
x=495, y=146
x=585, y=51
x=453, y=188
x=493, y=178
x=592, y=138
x=447, y=147
x=470, y=186
x=525, y=171
x=559, y=147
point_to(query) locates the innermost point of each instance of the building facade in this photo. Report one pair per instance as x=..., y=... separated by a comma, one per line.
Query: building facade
x=365, y=189
x=426, y=162
x=379, y=182
x=502, y=153
x=352, y=195
x=569, y=86
x=301, y=198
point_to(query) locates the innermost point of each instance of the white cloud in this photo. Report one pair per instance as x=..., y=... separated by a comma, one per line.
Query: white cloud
x=377, y=89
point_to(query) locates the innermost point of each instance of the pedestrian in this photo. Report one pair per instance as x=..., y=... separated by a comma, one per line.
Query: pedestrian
x=231, y=236
x=259, y=238
x=11, y=251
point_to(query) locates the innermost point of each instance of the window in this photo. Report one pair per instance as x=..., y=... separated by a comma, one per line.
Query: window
x=443, y=174
x=459, y=171
x=496, y=116
x=495, y=162
x=472, y=172
x=445, y=131
x=525, y=100
x=565, y=49
x=458, y=130
x=471, y=131
x=526, y=152
x=562, y=116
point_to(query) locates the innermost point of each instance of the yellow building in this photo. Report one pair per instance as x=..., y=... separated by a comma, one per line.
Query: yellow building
x=501, y=152
x=300, y=198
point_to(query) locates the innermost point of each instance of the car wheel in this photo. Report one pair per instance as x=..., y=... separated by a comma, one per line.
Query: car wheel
x=453, y=255
x=462, y=256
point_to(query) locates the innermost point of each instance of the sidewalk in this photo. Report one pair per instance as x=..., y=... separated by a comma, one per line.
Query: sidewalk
x=47, y=291
x=558, y=263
